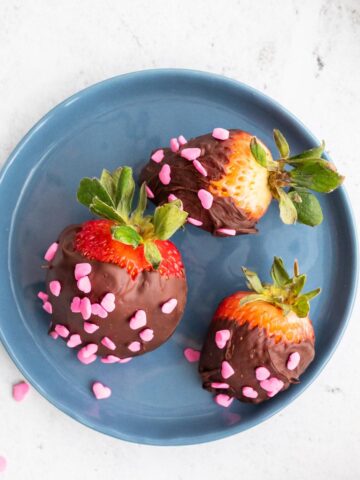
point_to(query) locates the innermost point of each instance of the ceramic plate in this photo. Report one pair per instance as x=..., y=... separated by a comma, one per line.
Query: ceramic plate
x=157, y=398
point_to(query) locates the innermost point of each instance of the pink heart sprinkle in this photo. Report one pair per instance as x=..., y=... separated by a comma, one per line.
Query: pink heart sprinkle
x=205, y=198
x=84, y=284
x=55, y=287
x=54, y=335
x=101, y=391
x=223, y=400
x=191, y=355
x=195, y=222
x=43, y=296
x=97, y=309
x=62, y=330
x=89, y=350
x=134, y=346
x=169, y=306
x=226, y=370
x=272, y=386
x=20, y=390
x=157, y=156
x=182, y=140
x=85, y=308
x=138, y=320
x=174, y=145
x=226, y=231
x=147, y=335
x=74, y=340
x=293, y=361
x=75, y=305
x=149, y=192
x=262, y=373
x=51, y=251
x=110, y=359
x=47, y=307
x=3, y=464
x=108, y=343
x=199, y=167
x=125, y=360
x=172, y=198
x=82, y=270
x=108, y=302
x=249, y=392
x=85, y=360
x=165, y=174
x=221, y=133
x=221, y=338
x=190, y=153
x=90, y=327
x=219, y=385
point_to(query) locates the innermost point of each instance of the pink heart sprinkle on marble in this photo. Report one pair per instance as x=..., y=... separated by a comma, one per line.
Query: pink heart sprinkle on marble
x=262, y=373
x=172, y=197
x=149, y=192
x=55, y=287
x=221, y=338
x=110, y=359
x=89, y=349
x=62, y=330
x=182, y=140
x=227, y=231
x=219, y=385
x=108, y=302
x=174, y=145
x=20, y=390
x=54, y=335
x=125, y=360
x=90, y=327
x=169, y=306
x=165, y=174
x=82, y=270
x=223, y=400
x=199, y=167
x=249, y=392
x=157, y=156
x=97, y=309
x=51, y=251
x=293, y=361
x=3, y=464
x=147, y=335
x=43, y=296
x=221, y=133
x=108, y=343
x=195, y=222
x=138, y=320
x=226, y=370
x=85, y=308
x=101, y=391
x=272, y=386
x=134, y=346
x=74, y=340
x=84, y=359
x=191, y=355
x=84, y=284
x=75, y=305
x=190, y=153
x=205, y=198
x=47, y=307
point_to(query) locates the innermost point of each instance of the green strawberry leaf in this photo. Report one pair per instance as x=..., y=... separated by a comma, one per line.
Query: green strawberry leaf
x=258, y=152
x=316, y=175
x=298, y=284
x=307, y=206
x=254, y=297
x=89, y=188
x=315, y=152
x=107, y=182
x=116, y=175
x=253, y=281
x=288, y=213
x=278, y=272
x=126, y=234
x=125, y=192
x=301, y=307
x=167, y=219
x=103, y=210
x=152, y=254
x=281, y=144
x=312, y=294
x=141, y=206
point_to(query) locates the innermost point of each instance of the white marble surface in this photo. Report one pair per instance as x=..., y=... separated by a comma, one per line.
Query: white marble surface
x=304, y=53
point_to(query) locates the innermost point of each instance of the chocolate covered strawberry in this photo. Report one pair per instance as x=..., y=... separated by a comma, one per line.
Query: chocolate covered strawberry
x=227, y=179
x=116, y=286
x=259, y=341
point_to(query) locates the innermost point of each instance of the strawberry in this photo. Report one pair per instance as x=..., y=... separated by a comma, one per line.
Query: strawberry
x=227, y=179
x=116, y=286
x=259, y=341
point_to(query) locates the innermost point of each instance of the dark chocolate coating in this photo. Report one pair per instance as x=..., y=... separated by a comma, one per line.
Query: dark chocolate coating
x=247, y=350
x=186, y=181
x=148, y=292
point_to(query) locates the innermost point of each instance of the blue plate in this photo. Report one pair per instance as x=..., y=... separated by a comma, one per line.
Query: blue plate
x=157, y=399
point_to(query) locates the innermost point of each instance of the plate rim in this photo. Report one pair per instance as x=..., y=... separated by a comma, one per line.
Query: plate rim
x=274, y=104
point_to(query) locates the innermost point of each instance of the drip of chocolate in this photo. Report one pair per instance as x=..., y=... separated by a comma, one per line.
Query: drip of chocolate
x=186, y=181
x=149, y=291
x=247, y=350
